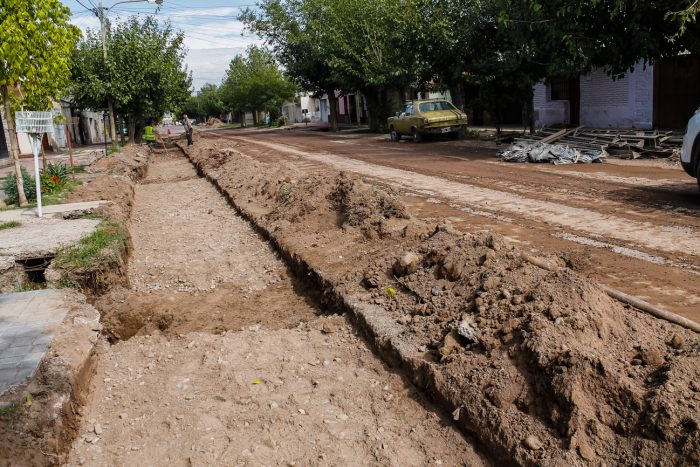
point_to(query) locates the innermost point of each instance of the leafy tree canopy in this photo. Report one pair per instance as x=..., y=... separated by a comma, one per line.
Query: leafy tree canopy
x=254, y=83
x=144, y=73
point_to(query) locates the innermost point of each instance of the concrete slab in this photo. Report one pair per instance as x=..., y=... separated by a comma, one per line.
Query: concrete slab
x=27, y=324
x=36, y=237
x=53, y=211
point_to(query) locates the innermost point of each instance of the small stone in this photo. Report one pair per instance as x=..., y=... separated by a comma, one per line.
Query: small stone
x=651, y=357
x=97, y=429
x=517, y=299
x=677, y=341
x=179, y=417
x=302, y=411
x=328, y=328
x=190, y=345
x=585, y=451
x=274, y=405
x=435, y=291
x=533, y=443
x=559, y=321
x=406, y=264
x=123, y=415
x=467, y=329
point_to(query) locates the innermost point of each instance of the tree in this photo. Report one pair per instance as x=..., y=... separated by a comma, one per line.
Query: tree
x=363, y=45
x=255, y=83
x=207, y=103
x=144, y=74
x=36, y=42
x=294, y=31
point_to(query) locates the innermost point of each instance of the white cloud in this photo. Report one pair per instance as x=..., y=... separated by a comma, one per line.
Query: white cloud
x=211, y=38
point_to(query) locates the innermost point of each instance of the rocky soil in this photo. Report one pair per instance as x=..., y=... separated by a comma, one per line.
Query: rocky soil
x=543, y=368
x=220, y=357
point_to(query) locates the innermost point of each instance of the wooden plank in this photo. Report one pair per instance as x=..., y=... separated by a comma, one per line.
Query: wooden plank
x=559, y=135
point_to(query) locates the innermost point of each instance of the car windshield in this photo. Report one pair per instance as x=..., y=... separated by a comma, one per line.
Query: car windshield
x=435, y=106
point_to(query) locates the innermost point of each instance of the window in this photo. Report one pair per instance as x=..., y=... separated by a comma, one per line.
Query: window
x=436, y=106
x=560, y=89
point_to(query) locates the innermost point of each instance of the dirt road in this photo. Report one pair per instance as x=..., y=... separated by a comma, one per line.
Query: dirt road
x=634, y=225
x=230, y=365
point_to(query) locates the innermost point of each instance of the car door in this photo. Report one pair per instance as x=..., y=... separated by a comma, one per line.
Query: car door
x=403, y=123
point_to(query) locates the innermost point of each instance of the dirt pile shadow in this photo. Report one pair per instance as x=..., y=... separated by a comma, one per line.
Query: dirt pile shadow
x=544, y=368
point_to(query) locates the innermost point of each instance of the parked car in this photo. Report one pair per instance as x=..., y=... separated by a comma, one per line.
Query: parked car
x=690, y=152
x=427, y=117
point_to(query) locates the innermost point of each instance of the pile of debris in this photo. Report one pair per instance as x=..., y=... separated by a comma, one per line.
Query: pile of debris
x=585, y=145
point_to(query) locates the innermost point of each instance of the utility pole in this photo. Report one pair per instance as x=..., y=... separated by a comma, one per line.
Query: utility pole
x=110, y=103
x=100, y=13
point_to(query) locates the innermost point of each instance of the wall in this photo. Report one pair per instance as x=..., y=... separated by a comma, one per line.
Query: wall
x=547, y=111
x=625, y=103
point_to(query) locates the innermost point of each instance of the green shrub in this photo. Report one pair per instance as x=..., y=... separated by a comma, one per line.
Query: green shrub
x=10, y=187
x=59, y=170
x=281, y=121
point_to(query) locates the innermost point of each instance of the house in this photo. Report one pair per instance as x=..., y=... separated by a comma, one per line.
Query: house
x=663, y=94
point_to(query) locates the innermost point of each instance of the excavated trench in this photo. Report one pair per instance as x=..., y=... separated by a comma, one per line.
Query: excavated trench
x=226, y=350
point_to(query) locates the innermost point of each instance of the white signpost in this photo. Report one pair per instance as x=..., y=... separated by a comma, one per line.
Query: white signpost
x=35, y=124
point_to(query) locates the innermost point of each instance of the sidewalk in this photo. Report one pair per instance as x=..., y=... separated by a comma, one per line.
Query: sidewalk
x=84, y=155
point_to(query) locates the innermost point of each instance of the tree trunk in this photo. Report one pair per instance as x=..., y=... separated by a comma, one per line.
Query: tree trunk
x=456, y=93
x=332, y=110
x=377, y=108
x=132, y=130
x=255, y=118
x=529, y=110
x=112, y=126
x=14, y=146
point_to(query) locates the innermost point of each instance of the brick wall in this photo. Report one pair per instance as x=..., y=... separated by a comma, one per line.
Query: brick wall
x=547, y=111
x=623, y=103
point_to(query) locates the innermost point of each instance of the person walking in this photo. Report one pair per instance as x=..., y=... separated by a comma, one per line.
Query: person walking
x=188, y=129
x=149, y=135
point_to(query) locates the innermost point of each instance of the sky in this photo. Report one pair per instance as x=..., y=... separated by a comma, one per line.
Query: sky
x=213, y=36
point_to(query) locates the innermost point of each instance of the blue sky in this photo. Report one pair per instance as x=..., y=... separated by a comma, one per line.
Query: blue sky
x=212, y=33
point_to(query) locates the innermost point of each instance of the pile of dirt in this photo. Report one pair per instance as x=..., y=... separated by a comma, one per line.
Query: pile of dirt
x=116, y=176
x=543, y=367
x=213, y=122
x=365, y=206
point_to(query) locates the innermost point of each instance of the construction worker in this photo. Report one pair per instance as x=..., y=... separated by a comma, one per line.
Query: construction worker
x=150, y=136
x=188, y=129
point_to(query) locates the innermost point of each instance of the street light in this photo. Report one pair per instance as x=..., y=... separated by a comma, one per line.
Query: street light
x=100, y=11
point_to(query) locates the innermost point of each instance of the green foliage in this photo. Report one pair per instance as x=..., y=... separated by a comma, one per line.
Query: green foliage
x=50, y=184
x=207, y=103
x=144, y=73
x=254, y=83
x=10, y=225
x=95, y=252
x=10, y=187
x=36, y=41
x=58, y=170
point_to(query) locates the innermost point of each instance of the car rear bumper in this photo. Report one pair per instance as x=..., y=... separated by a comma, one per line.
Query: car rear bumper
x=438, y=130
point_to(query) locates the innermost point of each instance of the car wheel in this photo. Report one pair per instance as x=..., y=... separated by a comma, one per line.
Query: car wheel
x=697, y=175
x=395, y=135
x=417, y=137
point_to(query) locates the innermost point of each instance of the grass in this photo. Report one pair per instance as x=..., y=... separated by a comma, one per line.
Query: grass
x=79, y=169
x=10, y=225
x=230, y=125
x=92, y=252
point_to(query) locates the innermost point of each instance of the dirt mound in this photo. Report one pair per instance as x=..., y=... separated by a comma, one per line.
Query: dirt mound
x=213, y=122
x=543, y=367
x=528, y=352
x=365, y=206
x=116, y=175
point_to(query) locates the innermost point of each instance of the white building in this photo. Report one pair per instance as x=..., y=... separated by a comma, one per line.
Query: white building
x=661, y=95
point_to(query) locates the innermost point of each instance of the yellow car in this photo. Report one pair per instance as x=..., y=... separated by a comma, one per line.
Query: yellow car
x=427, y=117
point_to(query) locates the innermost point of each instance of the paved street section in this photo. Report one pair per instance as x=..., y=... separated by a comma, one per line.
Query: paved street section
x=27, y=321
